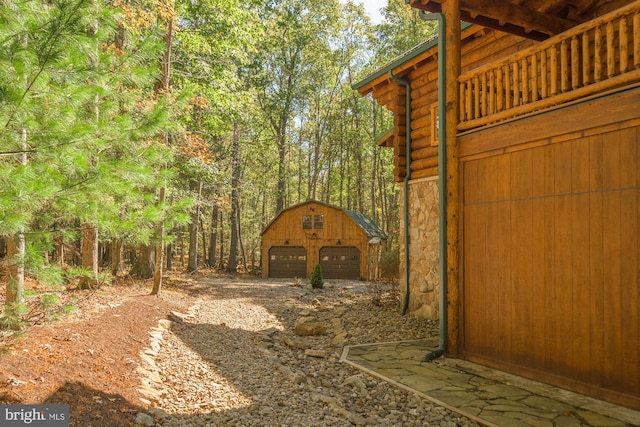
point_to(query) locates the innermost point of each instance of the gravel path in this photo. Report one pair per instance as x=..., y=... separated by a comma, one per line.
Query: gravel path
x=234, y=359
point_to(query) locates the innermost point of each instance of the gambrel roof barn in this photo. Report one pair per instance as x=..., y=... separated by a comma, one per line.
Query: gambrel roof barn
x=345, y=243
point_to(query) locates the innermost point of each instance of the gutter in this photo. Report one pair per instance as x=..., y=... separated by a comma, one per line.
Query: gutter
x=407, y=177
x=442, y=185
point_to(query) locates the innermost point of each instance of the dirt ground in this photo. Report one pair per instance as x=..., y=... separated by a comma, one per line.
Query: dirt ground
x=88, y=359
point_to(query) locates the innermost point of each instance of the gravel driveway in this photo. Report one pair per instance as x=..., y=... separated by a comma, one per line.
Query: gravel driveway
x=234, y=359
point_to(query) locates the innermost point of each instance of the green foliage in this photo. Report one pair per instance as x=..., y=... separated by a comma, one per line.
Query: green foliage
x=80, y=115
x=390, y=264
x=316, y=279
x=402, y=30
x=12, y=317
x=82, y=138
x=49, y=303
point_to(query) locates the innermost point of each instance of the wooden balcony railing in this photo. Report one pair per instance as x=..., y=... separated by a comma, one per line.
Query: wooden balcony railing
x=596, y=56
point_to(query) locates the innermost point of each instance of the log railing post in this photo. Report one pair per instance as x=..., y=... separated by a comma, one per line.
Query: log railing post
x=586, y=55
x=636, y=40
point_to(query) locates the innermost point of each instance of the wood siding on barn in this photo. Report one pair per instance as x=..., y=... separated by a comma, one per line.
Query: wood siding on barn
x=551, y=235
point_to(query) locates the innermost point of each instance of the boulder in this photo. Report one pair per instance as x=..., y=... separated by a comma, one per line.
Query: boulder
x=308, y=325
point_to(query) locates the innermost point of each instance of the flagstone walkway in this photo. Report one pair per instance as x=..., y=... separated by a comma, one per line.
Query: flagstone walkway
x=489, y=397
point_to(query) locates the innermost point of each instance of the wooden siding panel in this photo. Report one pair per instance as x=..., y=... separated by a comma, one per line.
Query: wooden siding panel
x=630, y=276
x=491, y=252
x=552, y=260
x=630, y=302
x=597, y=352
x=505, y=305
x=613, y=285
x=539, y=297
x=475, y=328
x=521, y=274
x=613, y=289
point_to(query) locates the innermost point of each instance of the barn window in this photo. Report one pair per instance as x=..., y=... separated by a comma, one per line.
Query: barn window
x=306, y=222
x=318, y=222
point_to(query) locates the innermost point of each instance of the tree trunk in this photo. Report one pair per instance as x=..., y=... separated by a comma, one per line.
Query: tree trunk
x=282, y=179
x=145, y=265
x=192, y=265
x=159, y=261
x=16, y=249
x=221, y=250
x=374, y=168
x=89, y=256
x=170, y=256
x=205, y=247
x=213, y=238
x=162, y=85
x=116, y=256
x=235, y=203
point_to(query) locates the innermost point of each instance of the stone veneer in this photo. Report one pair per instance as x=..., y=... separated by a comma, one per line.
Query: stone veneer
x=424, y=278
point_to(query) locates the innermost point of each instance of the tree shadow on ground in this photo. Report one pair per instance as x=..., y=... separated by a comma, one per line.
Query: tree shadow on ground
x=90, y=407
x=268, y=363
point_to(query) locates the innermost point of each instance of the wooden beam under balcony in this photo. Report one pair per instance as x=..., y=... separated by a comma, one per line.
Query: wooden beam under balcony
x=504, y=16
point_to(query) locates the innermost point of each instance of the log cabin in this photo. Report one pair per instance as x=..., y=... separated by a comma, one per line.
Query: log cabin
x=519, y=124
x=346, y=244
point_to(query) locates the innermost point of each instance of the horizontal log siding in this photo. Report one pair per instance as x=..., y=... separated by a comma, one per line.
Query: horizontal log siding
x=478, y=49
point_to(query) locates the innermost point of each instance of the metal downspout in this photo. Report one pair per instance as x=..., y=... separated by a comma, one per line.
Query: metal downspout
x=442, y=185
x=407, y=177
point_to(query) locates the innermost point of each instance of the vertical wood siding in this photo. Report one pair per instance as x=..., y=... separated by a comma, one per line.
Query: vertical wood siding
x=551, y=256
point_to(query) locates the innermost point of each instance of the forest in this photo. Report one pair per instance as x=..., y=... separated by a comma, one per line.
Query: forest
x=139, y=135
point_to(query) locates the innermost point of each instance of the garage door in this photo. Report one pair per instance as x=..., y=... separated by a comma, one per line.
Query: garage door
x=287, y=261
x=340, y=262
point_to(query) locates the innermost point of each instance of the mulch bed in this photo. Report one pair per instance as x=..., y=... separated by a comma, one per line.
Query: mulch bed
x=88, y=359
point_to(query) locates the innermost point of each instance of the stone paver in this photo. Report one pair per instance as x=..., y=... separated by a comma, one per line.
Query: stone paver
x=489, y=397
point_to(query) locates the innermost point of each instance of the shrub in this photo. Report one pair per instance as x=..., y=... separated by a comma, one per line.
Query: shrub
x=316, y=278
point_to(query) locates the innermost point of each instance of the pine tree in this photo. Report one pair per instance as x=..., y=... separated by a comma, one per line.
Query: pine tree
x=82, y=112
x=317, y=282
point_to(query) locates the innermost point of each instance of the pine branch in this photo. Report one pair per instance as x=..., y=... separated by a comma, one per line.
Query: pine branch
x=45, y=61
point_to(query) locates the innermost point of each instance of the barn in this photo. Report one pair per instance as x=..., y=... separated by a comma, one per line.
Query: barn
x=521, y=127
x=346, y=244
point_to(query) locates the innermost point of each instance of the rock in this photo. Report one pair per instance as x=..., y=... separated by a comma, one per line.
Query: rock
x=340, y=339
x=294, y=342
x=308, y=326
x=177, y=316
x=165, y=323
x=256, y=372
x=285, y=370
x=157, y=413
x=144, y=419
x=298, y=377
x=355, y=381
x=274, y=360
x=315, y=353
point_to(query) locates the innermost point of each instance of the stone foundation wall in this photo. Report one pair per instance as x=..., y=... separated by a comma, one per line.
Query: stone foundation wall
x=424, y=277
